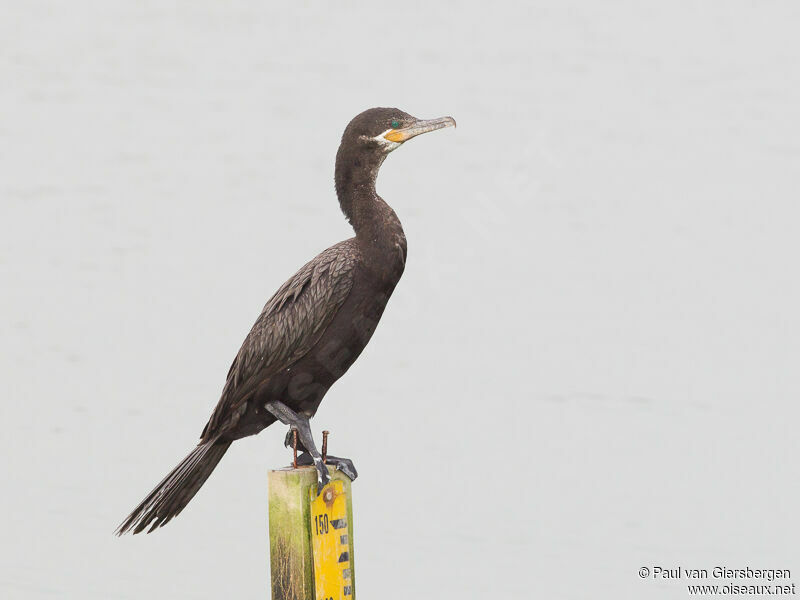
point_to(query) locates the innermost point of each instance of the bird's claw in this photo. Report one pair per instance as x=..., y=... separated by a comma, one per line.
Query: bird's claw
x=346, y=466
x=289, y=441
x=323, y=478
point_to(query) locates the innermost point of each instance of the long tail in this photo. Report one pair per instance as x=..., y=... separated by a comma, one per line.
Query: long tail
x=170, y=496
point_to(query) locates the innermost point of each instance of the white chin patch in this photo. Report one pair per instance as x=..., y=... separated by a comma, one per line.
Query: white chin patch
x=387, y=145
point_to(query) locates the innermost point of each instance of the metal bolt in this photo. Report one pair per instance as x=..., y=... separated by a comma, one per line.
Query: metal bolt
x=325, y=446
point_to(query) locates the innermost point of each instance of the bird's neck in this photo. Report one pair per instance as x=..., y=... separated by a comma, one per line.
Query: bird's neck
x=375, y=223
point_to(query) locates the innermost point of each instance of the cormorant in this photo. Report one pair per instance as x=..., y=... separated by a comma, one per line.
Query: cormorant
x=313, y=328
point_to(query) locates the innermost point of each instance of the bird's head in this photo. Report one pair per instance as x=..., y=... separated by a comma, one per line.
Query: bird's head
x=367, y=141
x=378, y=131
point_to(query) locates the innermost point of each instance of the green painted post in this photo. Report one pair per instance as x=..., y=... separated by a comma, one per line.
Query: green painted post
x=291, y=561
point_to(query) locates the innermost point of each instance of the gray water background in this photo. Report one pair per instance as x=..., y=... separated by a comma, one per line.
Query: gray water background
x=590, y=365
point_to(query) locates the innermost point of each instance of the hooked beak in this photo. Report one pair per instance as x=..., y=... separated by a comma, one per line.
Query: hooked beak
x=402, y=135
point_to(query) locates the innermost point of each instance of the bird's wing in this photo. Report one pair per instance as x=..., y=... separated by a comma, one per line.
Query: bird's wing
x=290, y=324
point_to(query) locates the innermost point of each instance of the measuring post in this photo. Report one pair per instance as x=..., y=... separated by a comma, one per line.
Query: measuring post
x=310, y=536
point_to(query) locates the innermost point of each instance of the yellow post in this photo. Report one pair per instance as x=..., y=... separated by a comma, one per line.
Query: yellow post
x=310, y=536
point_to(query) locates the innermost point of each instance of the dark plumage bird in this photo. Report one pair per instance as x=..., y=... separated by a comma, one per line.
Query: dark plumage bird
x=313, y=328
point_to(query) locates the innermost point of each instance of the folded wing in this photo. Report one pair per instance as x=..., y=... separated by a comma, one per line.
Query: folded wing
x=291, y=323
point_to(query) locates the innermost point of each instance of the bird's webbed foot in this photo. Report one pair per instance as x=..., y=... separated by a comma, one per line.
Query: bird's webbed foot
x=288, y=442
x=300, y=422
x=323, y=477
x=345, y=465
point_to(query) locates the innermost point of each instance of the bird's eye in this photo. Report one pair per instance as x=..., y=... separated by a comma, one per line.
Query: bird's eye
x=395, y=124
